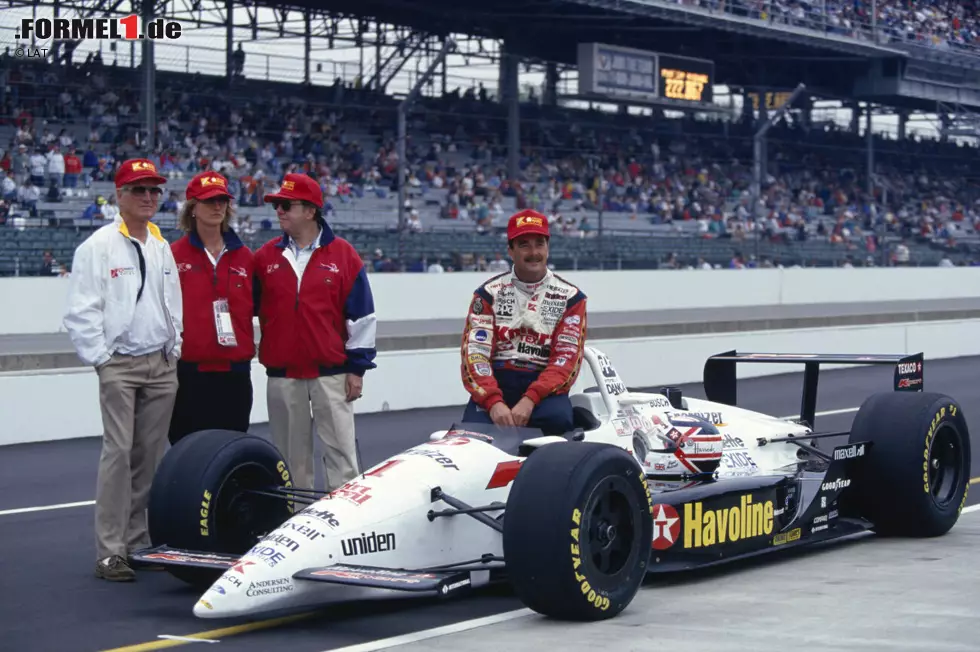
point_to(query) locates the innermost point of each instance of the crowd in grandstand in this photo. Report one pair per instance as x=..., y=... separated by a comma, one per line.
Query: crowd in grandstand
x=945, y=24
x=67, y=134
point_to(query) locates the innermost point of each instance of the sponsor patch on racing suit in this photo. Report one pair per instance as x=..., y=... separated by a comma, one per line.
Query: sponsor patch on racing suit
x=517, y=331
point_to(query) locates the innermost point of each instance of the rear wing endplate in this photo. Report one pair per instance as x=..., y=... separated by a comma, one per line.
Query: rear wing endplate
x=720, y=379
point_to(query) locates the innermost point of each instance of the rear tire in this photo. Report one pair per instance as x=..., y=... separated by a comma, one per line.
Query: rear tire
x=915, y=479
x=197, y=500
x=562, y=557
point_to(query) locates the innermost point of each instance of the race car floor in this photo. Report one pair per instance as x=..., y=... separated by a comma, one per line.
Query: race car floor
x=864, y=594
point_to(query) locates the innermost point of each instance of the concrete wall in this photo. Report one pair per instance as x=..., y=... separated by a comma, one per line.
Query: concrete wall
x=36, y=305
x=64, y=404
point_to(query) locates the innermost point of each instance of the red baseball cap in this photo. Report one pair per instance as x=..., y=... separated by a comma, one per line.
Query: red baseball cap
x=298, y=186
x=527, y=222
x=138, y=169
x=207, y=185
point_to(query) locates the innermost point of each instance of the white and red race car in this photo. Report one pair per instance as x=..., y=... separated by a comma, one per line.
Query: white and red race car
x=648, y=482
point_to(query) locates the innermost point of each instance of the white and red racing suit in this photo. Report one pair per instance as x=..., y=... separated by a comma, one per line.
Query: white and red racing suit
x=523, y=339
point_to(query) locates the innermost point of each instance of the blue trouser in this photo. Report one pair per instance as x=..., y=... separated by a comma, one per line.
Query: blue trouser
x=553, y=415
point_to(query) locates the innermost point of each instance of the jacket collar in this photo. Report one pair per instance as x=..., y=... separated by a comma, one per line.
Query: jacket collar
x=150, y=226
x=232, y=241
x=326, y=237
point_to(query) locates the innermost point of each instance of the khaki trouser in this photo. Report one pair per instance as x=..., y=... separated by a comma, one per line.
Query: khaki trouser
x=291, y=424
x=137, y=395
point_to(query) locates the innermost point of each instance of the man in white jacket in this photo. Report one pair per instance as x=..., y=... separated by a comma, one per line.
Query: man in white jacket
x=125, y=319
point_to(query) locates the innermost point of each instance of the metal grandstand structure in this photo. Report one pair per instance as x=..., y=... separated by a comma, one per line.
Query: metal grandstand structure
x=402, y=48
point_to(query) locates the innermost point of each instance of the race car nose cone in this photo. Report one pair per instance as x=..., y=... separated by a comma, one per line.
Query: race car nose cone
x=205, y=608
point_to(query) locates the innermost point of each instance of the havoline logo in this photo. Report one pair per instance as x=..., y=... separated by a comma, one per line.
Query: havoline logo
x=703, y=528
x=365, y=544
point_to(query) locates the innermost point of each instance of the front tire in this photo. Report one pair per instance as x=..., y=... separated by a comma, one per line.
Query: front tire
x=578, y=530
x=199, y=498
x=915, y=479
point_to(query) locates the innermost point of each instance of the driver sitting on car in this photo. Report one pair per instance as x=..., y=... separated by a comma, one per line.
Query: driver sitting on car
x=524, y=337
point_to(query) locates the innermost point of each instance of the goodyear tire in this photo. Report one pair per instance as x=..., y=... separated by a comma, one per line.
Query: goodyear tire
x=915, y=478
x=198, y=500
x=577, y=531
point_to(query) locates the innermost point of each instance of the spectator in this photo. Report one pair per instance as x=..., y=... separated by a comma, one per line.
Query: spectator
x=8, y=189
x=56, y=167
x=73, y=168
x=216, y=269
x=110, y=210
x=20, y=165
x=133, y=341
x=318, y=334
x=49, y=266
x=38, y=165
x=498, y=264
x=95, y=210
x=28, y=195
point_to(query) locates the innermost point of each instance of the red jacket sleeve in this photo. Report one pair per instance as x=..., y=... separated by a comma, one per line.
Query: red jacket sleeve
x=476, y=352
x=567, y=346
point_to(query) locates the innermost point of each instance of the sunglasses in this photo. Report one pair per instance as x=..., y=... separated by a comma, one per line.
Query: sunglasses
x=284, y=204
x=139, y=191
x=215, y=200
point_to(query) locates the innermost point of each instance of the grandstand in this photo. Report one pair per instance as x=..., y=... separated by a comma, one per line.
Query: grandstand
x=630, y=183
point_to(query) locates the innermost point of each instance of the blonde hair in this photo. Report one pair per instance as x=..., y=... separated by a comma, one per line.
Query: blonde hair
x=186, y=220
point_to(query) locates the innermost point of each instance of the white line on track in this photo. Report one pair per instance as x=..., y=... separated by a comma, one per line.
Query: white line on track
x=436, y=632
x=825, y=413
x=188, y=639
x=86, y=503
x=44, y=508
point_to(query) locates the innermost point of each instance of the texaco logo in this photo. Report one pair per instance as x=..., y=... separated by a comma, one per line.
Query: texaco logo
x=666, y=526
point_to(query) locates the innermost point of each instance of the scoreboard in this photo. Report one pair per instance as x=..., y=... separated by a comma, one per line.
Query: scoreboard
x=627, y=73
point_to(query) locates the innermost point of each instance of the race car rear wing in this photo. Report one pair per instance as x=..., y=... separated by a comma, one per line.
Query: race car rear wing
x=720, y=382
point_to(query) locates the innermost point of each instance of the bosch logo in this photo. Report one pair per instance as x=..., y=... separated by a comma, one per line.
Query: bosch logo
x=909, y=367
x=850, y=452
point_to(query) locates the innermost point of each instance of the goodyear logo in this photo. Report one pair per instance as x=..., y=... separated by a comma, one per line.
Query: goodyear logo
x=529, y=221
x=288, y=185
x=142, y=166
x=212, y=181
x=747, y=520
x=936, y=420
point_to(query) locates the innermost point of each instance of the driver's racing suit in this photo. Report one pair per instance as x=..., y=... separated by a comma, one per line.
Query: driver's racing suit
x=521, y=340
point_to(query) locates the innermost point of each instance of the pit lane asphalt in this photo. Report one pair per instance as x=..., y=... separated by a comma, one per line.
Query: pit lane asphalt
x=50, y=599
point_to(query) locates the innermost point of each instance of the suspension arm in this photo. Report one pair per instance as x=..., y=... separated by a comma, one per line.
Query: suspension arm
x=463, y=508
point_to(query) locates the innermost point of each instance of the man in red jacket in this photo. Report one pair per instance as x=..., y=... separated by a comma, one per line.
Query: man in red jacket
x=216, y=271
x=316, y=314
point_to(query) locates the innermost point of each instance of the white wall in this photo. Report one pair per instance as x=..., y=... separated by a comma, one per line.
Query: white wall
x=64, y=404
x=410, y=296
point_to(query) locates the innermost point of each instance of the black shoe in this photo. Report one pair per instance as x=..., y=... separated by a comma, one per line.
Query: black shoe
x=114, y=569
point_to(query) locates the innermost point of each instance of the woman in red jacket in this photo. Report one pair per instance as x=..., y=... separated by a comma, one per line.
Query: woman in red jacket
x=214, y=370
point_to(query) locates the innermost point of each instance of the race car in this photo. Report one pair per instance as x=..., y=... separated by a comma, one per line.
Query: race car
x=648, y=482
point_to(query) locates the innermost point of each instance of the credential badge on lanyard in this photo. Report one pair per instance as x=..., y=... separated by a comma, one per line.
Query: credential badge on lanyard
x=222, y=324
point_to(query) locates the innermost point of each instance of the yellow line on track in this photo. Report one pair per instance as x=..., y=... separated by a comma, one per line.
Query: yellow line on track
x=974, y=480
x=213, y=634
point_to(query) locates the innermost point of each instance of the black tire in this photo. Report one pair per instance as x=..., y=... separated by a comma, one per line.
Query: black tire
x=556, y=498
x=914, y=480
x=197, y=500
